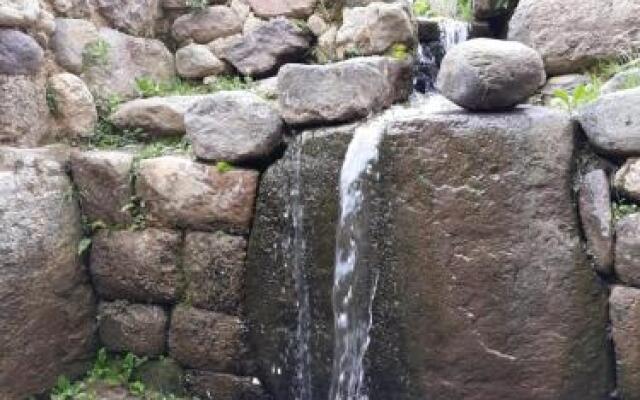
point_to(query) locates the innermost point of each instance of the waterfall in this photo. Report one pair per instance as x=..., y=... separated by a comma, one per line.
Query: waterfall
x=302, y=388
x=429, y=54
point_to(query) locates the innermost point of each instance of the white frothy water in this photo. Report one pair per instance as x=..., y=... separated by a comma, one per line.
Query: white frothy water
x=355, y=281
x=452, y=32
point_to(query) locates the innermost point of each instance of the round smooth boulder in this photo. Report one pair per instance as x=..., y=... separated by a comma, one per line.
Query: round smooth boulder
x=489, y=74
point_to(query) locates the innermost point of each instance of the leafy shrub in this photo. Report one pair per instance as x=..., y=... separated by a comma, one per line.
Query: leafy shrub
x=96, y=53
x=399, y=51
x=582, y=94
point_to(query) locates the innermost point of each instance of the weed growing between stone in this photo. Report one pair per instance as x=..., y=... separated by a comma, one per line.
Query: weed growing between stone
x=148, y=87
x=109, y=371
x=622, y=208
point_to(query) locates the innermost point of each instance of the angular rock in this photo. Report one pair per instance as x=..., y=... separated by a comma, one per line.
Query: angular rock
x=182, y=193
x=624, y=80
x=137, y=266
x=157, y=116
x=103, y=179
x=573, y=34
x=342, y=91
x=135, y=17
x=73, y=105
x=263, y=50
x=163, y=375
x=20, y=54
x=287, y=8
x=224, y=386
x=612, y=123
x=23, y=110
x=214, y=268
x=374, y=29
x=624, y=306
x=488, y=74
x=47, y=311
x=628, y=249
x=197, y=61
x=114, y=62
x=483, y=279
x=205, y=339
x=627, y=179
x=69, y=42
x=595, y=213
x=207, y=25
x=137, y=328
x=19, y=13
x=234, y=126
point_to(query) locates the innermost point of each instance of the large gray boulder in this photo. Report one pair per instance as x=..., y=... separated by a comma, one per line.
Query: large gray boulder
x=573, y=34
x=234, y=126
x=597, y=221
x=135, y=17
x=612, y=123
x=265, y=48
x=343, y=91
x=182, y=193
x=624, y=306
x=483, y=279
x=114, y=62
x=374, y=29
x=47, y=310
x=69, y=41
x=488, y=74
x=207, y=25
x=20, y=54
x=24, y=115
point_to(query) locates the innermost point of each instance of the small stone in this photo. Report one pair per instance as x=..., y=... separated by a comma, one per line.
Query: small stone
x=20, y=54
x=612, y=123
x=182, y=193
x=627, y=180
x=214, y=266
x=135, y=328
x=287, y=8
x=595, y=213
x=73, y=105
x=156, y=116
x=137, y=266
x=205, y=339
x=135, y=17
x=374, y=29
x=197, y=61
x=624, y=80
x=488, y=74
x=207, y=25
x=234, y=126
x=627, y=249
x=264, y=49
x=69, y=41
x=213, y=385
x=103, y=179
x=343, y=91
x=624, y=310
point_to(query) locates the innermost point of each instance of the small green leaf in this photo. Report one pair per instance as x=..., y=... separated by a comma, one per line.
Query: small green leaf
x=84, y=245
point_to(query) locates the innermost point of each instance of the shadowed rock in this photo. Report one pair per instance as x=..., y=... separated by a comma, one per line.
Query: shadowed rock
x=596, y=216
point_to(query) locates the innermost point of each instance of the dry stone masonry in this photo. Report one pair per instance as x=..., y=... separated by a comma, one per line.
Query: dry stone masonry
x=170, y=187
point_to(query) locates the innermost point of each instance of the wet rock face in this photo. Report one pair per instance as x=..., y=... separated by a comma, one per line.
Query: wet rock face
x=489, y=296
x=595, y=214
x=224, y=386
x=487, y=74
x=612, y=123
x=572, y=34
x=624, y=304
x=46, y=301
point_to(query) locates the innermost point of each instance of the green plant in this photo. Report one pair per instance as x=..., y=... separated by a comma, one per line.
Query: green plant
x=224, y=167
x=582, y=94
x=136, y=207
x=96, y=53
x=148, y=87
x=399, y=51
x=622, y=208
x=607, y=68
x=66, y=390
x=52, y=102
x=197, y=5
x=465, y=10
x=422, y=8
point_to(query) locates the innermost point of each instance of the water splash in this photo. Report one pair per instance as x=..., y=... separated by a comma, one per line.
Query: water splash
x=452, y=32
x=302, y=386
